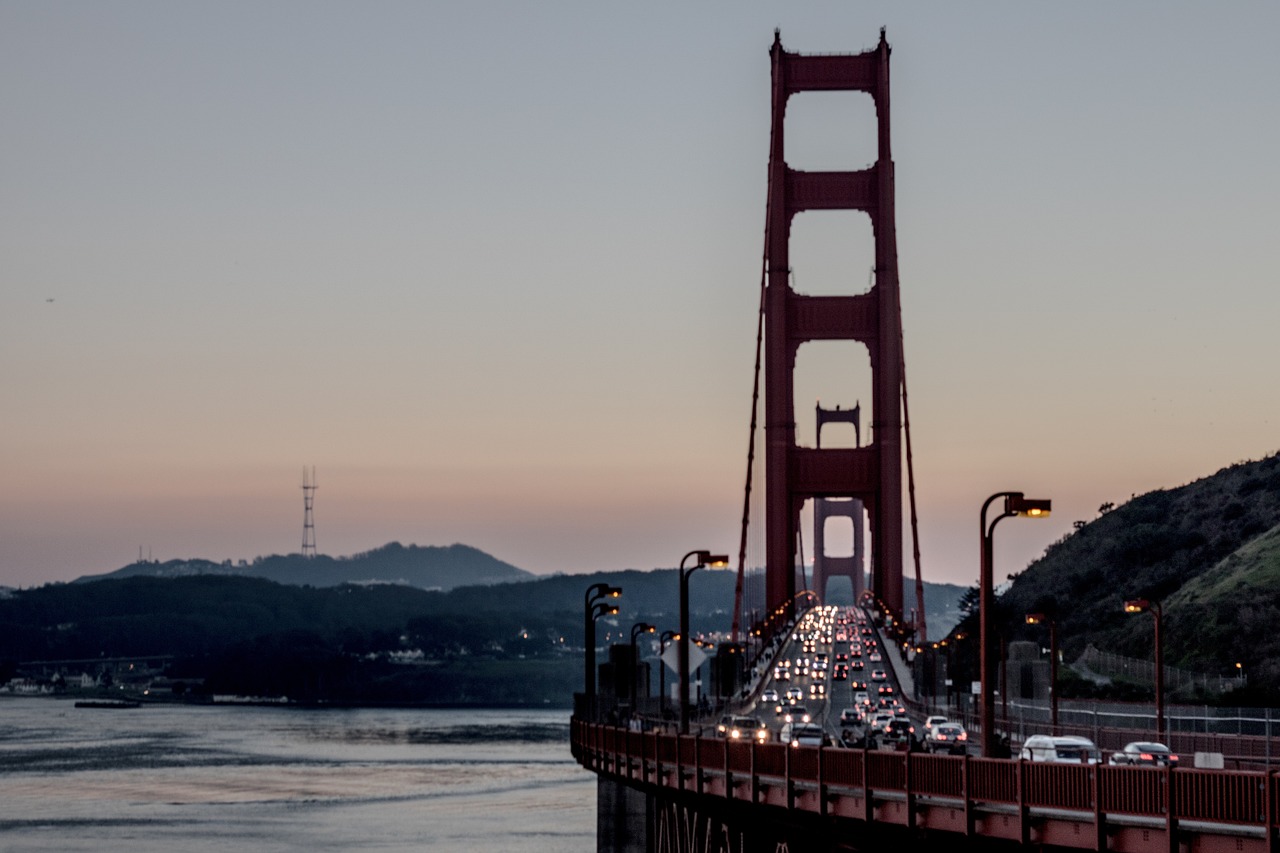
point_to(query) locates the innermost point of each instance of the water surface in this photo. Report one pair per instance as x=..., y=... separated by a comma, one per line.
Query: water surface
x=197, y=779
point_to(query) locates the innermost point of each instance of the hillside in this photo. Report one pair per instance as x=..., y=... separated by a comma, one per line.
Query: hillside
x=352, y=643
x=425, y=567
x=1207, y=550
x=1234, y=607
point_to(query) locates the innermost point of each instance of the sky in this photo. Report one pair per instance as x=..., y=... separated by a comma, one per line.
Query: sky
x=492, y=269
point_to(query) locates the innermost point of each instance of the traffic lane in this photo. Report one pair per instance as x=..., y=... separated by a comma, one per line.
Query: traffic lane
x=792, y=651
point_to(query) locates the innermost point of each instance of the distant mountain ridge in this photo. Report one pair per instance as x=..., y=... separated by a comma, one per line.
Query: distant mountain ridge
x=425, y=567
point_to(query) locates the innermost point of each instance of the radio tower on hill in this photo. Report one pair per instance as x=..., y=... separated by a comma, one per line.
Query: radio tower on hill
x=308, y=523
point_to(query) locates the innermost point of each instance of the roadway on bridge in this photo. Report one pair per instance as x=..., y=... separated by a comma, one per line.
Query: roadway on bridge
x=832, y=655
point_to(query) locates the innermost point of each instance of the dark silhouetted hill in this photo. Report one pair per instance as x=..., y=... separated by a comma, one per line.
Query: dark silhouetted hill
x=425, y=567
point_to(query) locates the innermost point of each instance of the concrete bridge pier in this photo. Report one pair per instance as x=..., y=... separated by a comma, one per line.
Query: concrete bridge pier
x=623, y=818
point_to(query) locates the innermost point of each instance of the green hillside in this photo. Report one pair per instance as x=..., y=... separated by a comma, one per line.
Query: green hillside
x=1234, y=608
x=1206, y=550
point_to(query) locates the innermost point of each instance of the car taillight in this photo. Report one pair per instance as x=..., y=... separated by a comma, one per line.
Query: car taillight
x=962, y=736
x=1146, y=756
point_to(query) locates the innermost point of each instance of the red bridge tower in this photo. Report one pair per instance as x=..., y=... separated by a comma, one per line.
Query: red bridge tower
x=872, y=473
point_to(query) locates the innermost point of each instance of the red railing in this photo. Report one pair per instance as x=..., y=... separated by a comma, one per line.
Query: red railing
x=1077, y=792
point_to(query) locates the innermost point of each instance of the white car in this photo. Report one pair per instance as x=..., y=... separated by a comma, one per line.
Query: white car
x=769, y=697
x=797, y=714
x=1060, y=750
x=879, y=675
x=801, y=734
x=879, y=720
x=930, y=722
x=947, y=737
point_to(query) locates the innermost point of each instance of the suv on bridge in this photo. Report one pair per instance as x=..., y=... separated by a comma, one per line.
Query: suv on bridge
x=1060, y=750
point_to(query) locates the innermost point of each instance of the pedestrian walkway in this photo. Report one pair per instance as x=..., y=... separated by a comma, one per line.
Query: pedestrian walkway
x=901, y=669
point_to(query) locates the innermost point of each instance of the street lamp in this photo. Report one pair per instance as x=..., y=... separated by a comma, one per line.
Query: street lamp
x=1015, y=504
x=636, y=630
x=596, y=593
x=1142, y=605
x=663, y=639
x=1042, y=619
x=701, y=560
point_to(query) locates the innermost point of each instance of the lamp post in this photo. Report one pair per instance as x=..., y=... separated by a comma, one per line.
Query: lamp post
x=1014, y=504
x=663, y=639
x=701, y=560
x=1042, y=619
x=636, y=630
x=1142, y=605
x=596, y=593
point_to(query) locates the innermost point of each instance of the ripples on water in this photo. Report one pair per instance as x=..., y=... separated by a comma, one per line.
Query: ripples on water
x=196, y=779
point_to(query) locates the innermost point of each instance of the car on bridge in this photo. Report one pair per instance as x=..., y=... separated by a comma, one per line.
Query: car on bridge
x=796, y=714
x=879, y=720
x=897, y=730
x=769, y=697
x=1145, y=754
x=879, y=675
x=743, y=728
x=1068, y=749
x=802, y=734
x=947, y=737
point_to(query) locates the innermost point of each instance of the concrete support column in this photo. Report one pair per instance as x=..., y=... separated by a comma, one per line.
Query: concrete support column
x=622, y=818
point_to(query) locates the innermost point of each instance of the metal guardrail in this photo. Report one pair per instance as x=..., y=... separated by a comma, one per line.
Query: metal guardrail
x=1243, y=806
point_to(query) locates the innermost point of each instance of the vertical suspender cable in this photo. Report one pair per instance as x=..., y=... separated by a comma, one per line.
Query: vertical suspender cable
x=922, y=633
x=751, y=455
x=755, y=406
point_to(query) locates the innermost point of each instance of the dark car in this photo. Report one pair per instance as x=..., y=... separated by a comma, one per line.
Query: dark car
x=898, y=729
x=1145, y=754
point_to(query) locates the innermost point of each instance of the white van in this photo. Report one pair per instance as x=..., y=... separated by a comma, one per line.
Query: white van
x=1060, y=750
x=801, y=734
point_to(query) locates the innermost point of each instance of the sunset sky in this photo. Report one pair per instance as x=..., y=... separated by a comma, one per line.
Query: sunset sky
x=492, y=268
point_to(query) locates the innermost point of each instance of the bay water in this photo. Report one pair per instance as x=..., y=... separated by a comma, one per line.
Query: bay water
x=275, y=779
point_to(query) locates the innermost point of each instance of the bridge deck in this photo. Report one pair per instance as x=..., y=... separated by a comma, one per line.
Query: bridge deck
x=1089, y=807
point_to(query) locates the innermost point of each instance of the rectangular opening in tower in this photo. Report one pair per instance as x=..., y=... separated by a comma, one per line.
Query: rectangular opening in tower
x=833, y=253
x=831, y=131
x=833, y=373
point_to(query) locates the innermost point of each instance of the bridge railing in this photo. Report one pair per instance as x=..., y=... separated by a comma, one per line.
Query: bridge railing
x=1092, y=792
